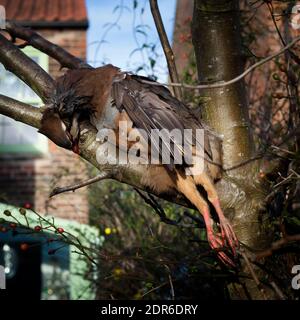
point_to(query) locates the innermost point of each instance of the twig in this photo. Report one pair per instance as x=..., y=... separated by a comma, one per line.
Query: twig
x=285, y=180
x=283, y=150
x=166, y=47
x=277, y=290
x=101, y=176
x=63, y=236
x=276, y=246
x=232, y=81
x=155, y=288
x=253, y=275
x=271, y=10
x=172, y=287
x=157, y=208
x=171, y=282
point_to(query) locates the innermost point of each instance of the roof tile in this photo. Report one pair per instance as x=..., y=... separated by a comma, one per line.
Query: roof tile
x=26, y=9
x=45, y=10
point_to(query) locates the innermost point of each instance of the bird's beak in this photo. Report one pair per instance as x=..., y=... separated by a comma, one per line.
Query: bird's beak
x=54, y=128
x=75, y=133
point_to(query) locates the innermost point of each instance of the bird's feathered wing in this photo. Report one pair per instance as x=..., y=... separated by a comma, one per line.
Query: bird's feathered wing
x=153, y=107
x=149, y=107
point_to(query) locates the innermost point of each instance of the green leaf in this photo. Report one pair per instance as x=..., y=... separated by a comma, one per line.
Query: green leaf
x=142, y=32
x=152, y=62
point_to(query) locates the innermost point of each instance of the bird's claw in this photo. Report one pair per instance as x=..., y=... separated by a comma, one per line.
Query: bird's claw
x=217, y=243
x=226, y=238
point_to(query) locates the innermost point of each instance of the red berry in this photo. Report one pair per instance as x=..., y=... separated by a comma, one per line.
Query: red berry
x=37, y=228
x=51, y=251
x=3, y=229
x=13, y=225
x=27, y=205
x=60, y=230
x=24, y=246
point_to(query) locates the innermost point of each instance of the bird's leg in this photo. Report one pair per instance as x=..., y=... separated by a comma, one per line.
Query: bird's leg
x=186, y=185
x=227, y=232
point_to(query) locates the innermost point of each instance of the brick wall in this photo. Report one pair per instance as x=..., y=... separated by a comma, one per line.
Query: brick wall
x=28, y=180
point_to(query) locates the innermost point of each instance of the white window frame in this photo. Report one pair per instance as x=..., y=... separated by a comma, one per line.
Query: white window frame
x=40, y=147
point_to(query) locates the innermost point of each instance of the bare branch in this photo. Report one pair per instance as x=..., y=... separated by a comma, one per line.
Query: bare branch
x=232, y=81
x=20, y=111
x=291, y=53
x=157, y=208
x=37, y=41
x=26, y=69
x=103, y=175
x=166, y=46
x=253, y=274
x=277, y=245
x=277, y=290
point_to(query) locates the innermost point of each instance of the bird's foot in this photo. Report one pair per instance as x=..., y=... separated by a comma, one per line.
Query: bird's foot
x=229, y=238
x=227, y=235
x=216, y=242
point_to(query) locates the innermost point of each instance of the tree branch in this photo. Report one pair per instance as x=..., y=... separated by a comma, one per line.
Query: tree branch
x=26, y=69
x=20, y=111
x=37, y=41
x=102, y=176
x=166, y=46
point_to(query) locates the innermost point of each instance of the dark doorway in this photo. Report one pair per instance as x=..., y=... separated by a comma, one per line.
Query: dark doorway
x=23, y=269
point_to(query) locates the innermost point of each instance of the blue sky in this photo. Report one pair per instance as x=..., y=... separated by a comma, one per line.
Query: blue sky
x=115, y=44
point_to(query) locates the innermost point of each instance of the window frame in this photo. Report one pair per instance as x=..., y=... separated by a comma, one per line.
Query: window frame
x=41, y=146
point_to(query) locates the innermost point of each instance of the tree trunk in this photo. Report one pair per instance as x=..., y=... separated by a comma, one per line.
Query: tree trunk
x=217, y=42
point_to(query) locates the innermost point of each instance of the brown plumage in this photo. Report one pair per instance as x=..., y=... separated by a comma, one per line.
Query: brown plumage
x=106, y=96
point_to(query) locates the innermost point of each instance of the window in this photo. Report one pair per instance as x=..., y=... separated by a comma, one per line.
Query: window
x=16, y=137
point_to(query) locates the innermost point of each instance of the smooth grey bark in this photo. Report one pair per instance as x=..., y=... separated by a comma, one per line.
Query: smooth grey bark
x=217, y=42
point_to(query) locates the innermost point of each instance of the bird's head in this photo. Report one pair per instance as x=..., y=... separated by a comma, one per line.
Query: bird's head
x=78, y=94
x=61, y=120
x=55, y=129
